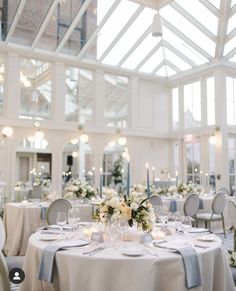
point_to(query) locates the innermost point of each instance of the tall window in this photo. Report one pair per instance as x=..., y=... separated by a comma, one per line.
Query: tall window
x=116, y=107
x=2, y=70
x=192, y=105
x=78, y=103
x=212, y=165
x=36, y=89
x=232, y=163
x=193, y=162
x=211, y=101
x=175, y=108
x=176, y=156
x=231, y=100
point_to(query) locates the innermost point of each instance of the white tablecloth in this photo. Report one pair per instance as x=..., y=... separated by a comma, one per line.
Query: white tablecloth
x=110, y=270
x=22, y=219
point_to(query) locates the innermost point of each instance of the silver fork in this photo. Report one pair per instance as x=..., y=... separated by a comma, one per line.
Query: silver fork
x=94, y=251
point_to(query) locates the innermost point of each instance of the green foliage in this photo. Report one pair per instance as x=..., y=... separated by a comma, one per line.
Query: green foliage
x=117, y=170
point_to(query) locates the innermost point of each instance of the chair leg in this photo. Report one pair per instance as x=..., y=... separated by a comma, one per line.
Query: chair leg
x=223, y=224
x=205, y=223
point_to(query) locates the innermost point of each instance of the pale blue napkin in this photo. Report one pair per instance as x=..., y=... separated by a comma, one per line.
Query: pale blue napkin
x=47, y=260
x=201, y=206
x=173, y=206
x=191, y=266
x=43, y=214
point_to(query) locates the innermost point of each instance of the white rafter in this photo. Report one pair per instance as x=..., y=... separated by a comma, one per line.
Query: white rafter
x=156, y=47
x=15, y=20
x=99, y=27
x=232, y=11
x=179, y=54
x=158, y=67
x=121, y=33
x=194, y=21
x=210, y=7
x=222, y=28
x=155, y=4
x=230, y=35
x=133, y=48
x=69, y=31
x=186, y=39
x=45, y=22
x=172, y=66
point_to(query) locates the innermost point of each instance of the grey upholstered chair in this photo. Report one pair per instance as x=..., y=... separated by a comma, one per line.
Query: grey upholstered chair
x=59, y=205
x=4, y=281
x=218, y=206
x=232, y=215
x=155, y=200
x=191, y=206
x=224, y=190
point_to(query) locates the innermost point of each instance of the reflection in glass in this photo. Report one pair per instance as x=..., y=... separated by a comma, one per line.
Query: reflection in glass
x=193, y=162
x=211, y=101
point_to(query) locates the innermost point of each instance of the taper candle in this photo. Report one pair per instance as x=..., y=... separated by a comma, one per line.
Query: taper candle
x=148, y=182
x=101, y=182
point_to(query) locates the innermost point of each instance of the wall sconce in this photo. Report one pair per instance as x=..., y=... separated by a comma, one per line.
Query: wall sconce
x=83, y=136
x=7, y=132
x=213, y=138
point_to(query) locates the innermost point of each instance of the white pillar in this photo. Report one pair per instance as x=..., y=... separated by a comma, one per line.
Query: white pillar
x=132, y=103
x=58, y=93
x=98, y=115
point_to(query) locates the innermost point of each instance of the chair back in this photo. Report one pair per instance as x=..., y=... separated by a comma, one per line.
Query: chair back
x=155, y=200
x=4, y=281
x=59, y=205
x=218, y=203
x=224, y=190
x=232, y=212
x=191, y=205
x=2, y=235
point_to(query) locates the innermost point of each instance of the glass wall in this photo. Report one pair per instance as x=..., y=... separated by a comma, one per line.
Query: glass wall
x=212, y=165
x=116, y=94
x=78, y=102
x=210, y=101
x=231, y=100
x=232, y=160
x=2, y=71
x=36, y=89
x=175, y=108
x=192, y=105
x=193, y=162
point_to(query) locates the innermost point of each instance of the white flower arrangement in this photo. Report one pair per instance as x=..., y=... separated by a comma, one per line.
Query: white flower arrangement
x=19, y=185
x=110, y=193
x=126, y=208
x=52, y=196
x=75, y=189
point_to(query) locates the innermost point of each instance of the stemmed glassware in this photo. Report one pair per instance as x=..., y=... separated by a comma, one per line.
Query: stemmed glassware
x=61, y=220
x=186, y=225
x=123, y=225
x=74, y=217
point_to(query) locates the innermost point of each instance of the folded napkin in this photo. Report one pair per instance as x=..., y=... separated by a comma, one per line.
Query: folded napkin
x=201, y=206
x=173, y=206
x=190, y=261
x=47, y=260
x=43, y=214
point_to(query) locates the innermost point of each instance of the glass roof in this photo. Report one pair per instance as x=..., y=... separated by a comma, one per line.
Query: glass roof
x=118, y=32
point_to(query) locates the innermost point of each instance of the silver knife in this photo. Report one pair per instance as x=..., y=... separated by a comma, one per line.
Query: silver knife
x=94, y=251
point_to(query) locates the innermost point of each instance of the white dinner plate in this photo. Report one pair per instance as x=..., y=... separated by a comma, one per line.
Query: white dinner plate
x=206, y=238
x=48, y=237
x=132, y=251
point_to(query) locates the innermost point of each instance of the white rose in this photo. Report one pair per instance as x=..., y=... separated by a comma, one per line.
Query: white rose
x=114, y=202
x=134, y=205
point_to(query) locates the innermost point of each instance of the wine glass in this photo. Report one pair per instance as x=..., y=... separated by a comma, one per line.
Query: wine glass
x=186, y=225
x=61, y=220
x=123, y=228
x=113, y=231
x=163, y=215
x=74, y=217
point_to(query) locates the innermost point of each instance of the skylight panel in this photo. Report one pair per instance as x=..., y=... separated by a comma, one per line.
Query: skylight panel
x=153, y=62
x=165, y=71
x=183, y=47
x=142, y=22
x=201, y=13
x=186, y=27
x=102, y=7
x=233, y=2
x=113, y=25
x=216, y=3
x=230, y=45
x=177, y=61
x=142, y=50
x=231, y=23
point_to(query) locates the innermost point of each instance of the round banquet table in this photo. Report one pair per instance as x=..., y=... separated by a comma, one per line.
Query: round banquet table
x=22, y=219
x=110, y=270
x=216, y=226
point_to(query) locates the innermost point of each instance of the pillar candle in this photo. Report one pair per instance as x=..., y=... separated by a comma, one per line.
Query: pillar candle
x=148, y=182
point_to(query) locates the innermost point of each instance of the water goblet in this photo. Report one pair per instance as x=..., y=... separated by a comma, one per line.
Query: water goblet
x=61, y=220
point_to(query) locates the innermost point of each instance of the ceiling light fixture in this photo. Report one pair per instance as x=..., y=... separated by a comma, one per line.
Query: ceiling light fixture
x=7, y=131
x=156, y=25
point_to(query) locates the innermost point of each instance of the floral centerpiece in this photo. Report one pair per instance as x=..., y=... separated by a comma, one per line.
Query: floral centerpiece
x=75, y=189
x=19, y=185
x=232, y=258
x=128, y=209
x=110, y=193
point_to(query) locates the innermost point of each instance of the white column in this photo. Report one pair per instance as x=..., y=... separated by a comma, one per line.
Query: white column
x=132, y=103
x=57, y=170
x=99, y=99
x=203, y=102
x=11, y=102
x=222, y=171
x=58, y=93
x=81, y=161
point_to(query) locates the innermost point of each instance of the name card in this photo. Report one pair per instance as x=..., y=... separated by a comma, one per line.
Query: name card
x=145, y=238
x=97, y=237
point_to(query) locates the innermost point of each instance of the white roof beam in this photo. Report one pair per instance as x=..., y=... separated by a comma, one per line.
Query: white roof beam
x=179, y=54
x=172, y=66
x=155, y=4
x=99, y=27
x=230, y=54
x=186, y=39
x=77, y=18
x=210, y=7
x=45, y=22
x=194, y=21
x=137, y=43
x=121, y=33
x=15, y=20
x=156, y=47
x=230, y=35
x=158, y=67
x=232, y=11
x=222, y=28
